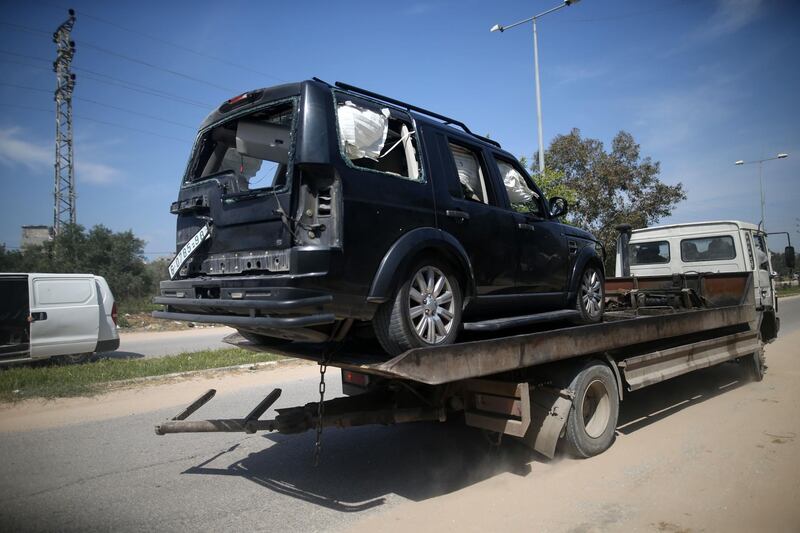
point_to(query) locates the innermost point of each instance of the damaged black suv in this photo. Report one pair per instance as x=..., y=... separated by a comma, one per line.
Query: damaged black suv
x=309, y=211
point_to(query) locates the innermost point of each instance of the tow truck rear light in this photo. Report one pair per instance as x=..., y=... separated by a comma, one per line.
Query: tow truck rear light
x=355, y=378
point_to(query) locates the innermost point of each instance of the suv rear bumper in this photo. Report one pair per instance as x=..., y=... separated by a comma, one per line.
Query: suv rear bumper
x=244, y=302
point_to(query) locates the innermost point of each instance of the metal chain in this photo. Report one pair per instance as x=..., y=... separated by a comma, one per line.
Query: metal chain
x=323, y=367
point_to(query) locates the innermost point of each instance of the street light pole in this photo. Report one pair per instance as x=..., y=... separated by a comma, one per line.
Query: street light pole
x=500, y=28
x=761, y=181
x=538, y=98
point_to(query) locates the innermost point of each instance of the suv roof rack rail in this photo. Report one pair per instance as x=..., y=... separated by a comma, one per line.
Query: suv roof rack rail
x=410, y=107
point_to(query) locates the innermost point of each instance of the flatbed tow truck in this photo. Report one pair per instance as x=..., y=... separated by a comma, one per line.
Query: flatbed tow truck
x=545, y=386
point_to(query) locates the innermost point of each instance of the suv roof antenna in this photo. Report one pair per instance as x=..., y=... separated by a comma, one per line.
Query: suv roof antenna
x=399, y=103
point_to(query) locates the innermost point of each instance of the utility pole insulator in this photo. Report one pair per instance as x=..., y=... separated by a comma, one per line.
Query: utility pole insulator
x=64, y=190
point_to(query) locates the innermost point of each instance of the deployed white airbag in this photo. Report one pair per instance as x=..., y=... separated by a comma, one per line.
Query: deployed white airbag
x=518, y=191
x=363, y=131
x=468, y=173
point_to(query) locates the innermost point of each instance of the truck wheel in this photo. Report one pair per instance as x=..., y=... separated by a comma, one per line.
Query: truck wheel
x=754, y=364
x=425, y=310
x=593, y=416
x=590, y=301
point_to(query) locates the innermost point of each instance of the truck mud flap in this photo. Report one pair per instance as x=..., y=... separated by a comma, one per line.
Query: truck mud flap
x=536, y=415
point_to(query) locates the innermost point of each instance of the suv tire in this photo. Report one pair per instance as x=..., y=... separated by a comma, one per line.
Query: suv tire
x=425, y=310
x=590, y=300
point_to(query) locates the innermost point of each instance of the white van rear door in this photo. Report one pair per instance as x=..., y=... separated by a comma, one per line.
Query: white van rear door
x=65, y=315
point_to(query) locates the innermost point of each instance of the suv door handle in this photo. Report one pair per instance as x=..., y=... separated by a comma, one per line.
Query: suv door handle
x=460, y=215
x=40, y=315
x=526, y=227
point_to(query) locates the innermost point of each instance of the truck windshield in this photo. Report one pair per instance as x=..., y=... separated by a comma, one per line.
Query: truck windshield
x=256, y=148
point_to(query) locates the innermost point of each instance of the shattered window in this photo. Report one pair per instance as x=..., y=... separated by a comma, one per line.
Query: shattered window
x=521, y=196
x=254, y=147
x=708, y=249
x=377, y=138
x=471, y=175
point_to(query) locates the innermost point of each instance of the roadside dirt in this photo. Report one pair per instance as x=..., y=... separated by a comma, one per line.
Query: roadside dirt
x=143, y=397
x=706, y=452
x=136, y=322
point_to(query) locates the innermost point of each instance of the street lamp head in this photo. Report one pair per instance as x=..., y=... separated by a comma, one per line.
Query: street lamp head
x=783, y=156
x=740, y=162
x=497, y=27
x=570, y=2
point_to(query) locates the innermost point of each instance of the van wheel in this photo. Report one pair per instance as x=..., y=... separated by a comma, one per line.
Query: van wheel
x=425, y=310
x=75, y=358
x=590, y=301
x=593, y=416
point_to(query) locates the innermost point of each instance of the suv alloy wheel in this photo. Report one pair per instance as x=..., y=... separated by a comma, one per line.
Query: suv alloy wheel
x=425, y=310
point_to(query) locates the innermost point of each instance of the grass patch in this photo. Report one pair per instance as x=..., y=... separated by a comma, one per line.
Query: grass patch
x=55, y=381
x=137, y=305
x=788, y=291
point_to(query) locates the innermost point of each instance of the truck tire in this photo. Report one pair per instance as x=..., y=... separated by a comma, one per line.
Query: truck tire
x=424, y=311
x=590, y=301
x=754, y=365
x=592, y=420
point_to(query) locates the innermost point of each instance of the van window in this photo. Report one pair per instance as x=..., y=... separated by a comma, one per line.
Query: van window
x=521, y=196
x=377, y=138
x=62, y=291
x=648, y=253
x=255, y=147
x=472, y=177
x=708, y=249
x=762, y=257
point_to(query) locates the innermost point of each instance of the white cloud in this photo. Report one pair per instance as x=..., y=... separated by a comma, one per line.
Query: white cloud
x=38, y=157
x=566, y=74
x=731, y=15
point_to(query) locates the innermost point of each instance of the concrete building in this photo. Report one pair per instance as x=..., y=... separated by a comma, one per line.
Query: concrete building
x=35, y=235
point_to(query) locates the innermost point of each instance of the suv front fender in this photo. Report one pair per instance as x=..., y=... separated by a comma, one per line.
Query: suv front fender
x=585, y=255
x=411, y=245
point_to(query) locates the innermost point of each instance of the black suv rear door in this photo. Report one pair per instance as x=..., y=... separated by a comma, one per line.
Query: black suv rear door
x=544, y=258
x=468, y=209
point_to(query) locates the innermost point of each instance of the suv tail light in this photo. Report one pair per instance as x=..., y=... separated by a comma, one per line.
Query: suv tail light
x=114, y=313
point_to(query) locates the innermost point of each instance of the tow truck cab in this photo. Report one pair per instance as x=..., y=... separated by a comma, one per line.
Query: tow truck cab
x=703, y=247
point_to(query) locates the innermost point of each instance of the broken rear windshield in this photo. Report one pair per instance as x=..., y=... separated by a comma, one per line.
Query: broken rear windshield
x=255, y=147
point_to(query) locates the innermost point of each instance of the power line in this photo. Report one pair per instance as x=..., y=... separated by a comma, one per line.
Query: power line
x=170, y=43
x=97, y=48
x=129, y=85
x=90, y=119
x=180, y=46
x=124, y=110
x=156, y=67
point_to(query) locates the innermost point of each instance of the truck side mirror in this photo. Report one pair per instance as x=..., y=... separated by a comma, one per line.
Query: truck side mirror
x=558, y=206
x=788, y=256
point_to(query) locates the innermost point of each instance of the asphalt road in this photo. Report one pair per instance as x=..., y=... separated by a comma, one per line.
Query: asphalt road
x=160, y=343
x=117, y=475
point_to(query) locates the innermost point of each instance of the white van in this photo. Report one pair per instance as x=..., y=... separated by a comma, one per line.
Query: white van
x=71, y=316
x=702, y=247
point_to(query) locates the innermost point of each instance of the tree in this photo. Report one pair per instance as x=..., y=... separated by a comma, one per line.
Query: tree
x=118, y=257
x=610, y=187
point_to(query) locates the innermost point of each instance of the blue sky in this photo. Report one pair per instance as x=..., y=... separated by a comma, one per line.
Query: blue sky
x=699, y=84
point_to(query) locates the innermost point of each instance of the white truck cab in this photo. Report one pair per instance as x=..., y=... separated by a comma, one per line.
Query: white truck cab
x=56, y=315
x=703, y=247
